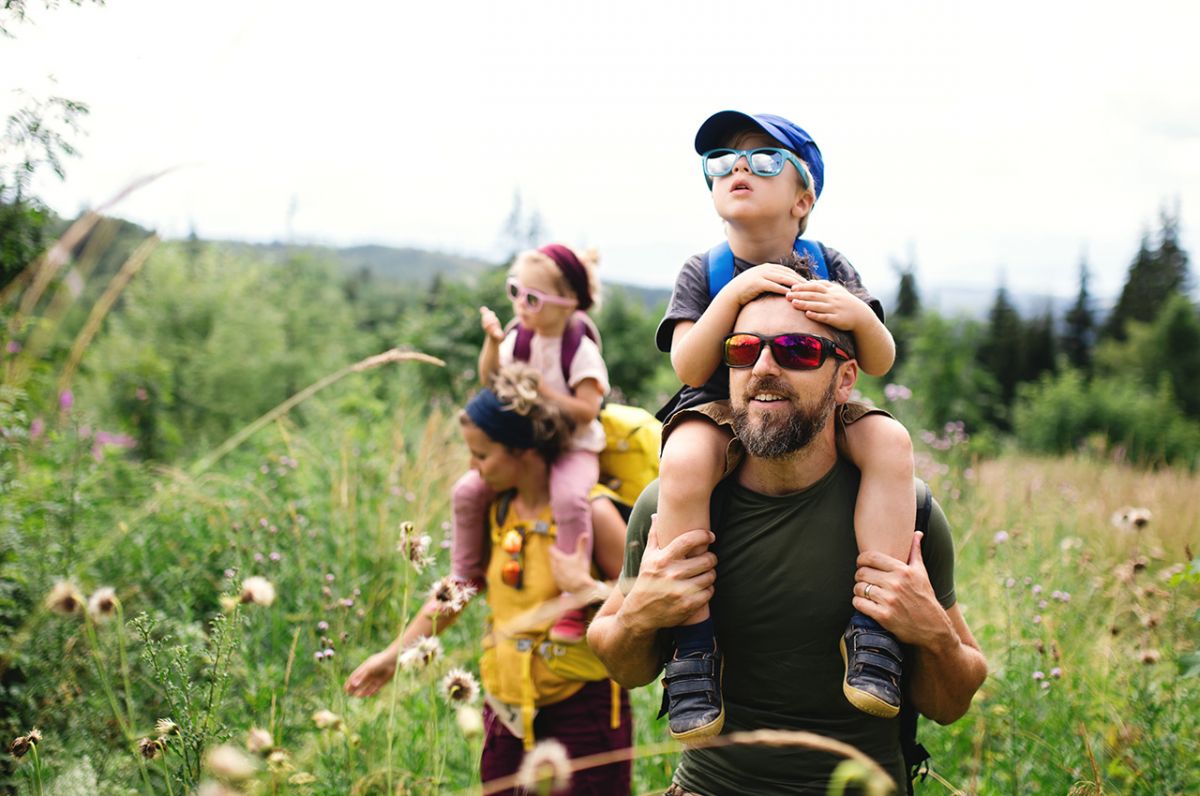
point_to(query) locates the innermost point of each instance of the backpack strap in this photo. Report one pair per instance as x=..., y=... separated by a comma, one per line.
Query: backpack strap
x=720, y=263
x=578, y=327
x=916, y=756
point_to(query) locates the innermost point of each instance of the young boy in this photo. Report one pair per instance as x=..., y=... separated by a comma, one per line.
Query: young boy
x=765, y=174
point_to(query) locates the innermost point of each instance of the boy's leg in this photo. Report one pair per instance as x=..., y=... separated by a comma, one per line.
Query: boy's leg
x=692, y=462
x=572, y=477
x=884, y=519
x=470, y=498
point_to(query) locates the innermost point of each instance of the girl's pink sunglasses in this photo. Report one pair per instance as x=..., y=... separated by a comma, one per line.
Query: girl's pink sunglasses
x=534, y=299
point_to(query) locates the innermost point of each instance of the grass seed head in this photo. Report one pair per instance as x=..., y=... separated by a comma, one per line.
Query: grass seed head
x=102, y=605
x=546, y=763
x=258, y=590
x=64, y=598
x=150, y=747
x=460, y=687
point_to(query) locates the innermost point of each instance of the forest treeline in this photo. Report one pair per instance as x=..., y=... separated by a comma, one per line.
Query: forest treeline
x=207, y=337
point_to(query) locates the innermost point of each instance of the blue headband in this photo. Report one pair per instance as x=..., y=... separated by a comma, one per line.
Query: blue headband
x=500, y=423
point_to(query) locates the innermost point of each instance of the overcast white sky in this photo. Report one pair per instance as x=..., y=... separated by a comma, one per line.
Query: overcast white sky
x=990, y=141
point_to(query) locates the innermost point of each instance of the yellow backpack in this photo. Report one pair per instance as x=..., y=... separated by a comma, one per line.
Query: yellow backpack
x=629, y=461
x=520, y=665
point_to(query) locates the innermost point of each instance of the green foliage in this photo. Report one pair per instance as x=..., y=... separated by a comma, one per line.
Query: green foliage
x=1155, y=275
x=636, y=368
x=232, y=340
x=1063, y=413
x=944, y=374
x=1079, y=332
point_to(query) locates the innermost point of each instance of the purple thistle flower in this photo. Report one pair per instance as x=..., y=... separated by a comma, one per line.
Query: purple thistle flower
x=66, y=399
x=13, y=347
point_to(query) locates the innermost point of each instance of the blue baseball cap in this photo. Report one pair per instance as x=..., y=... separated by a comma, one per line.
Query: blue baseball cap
x=720, y=127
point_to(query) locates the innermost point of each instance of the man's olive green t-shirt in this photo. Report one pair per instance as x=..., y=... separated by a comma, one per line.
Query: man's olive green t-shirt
x=785, y=571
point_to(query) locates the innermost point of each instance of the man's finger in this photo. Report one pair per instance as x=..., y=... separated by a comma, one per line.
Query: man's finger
x=914, y=555
x=682, y=545
x=877, y=560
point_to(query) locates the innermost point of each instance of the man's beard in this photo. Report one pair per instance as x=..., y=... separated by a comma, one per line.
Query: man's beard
x=767, y=438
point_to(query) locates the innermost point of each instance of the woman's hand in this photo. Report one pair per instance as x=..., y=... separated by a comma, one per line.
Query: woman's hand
x=491, y=325
x=373, y=674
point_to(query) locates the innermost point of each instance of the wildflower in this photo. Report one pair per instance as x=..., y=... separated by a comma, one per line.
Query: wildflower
x=1039, y=675
x=545, y=763
x=275, y=556
x=150, y=747
x=1000, y=538
x=328, y=652
x=258, y=741
x=1130, y=518
x=415, y=547
x=258, y=590
x=1036, y=589
x=279, y=761
x=451, y=594
x=1010, y=582
x=897, y=392
x=1056, y=672
x=421, y=653
x=302, y=778
x=13, y=347
x=66, y=399
x=21, y=745
x=36, y=429
x=460, y=687
x=327, y=720
x=230, y=763
x=102, y=604
x=322, y=625
x=166, y=727
x=470, y=721
x=1037, y=619
x=228, y=602
x=1149, y=656
x=229, y=574
x=64, y=598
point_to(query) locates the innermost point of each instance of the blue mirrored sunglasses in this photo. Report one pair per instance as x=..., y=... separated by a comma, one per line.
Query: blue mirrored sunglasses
x=765, y=162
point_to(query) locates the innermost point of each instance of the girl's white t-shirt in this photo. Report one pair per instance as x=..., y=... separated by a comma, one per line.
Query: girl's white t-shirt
x=545, y=356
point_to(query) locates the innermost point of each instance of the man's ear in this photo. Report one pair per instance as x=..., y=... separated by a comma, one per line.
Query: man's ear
x=844, y=381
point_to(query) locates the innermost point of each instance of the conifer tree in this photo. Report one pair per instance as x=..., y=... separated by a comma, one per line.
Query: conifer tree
x=1001, y=353
x=908, y=308
x=1155, y=275
x=1079, y=333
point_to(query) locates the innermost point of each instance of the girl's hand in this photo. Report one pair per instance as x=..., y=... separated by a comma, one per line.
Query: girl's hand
x=491, y=324
x=572, y=572
x=829, y=303
x=373, y=674
x=765, y=278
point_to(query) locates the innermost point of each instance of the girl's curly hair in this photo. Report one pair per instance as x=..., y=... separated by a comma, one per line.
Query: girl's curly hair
x=516, y=386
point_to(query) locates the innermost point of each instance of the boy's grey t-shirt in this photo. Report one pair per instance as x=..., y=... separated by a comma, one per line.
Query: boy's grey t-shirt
x=689, y=300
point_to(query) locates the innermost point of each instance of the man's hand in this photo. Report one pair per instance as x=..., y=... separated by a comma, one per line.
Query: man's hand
x=765, y=278
x=673, y=583
x=900, y=597
x=491, y=325
x=829, y=303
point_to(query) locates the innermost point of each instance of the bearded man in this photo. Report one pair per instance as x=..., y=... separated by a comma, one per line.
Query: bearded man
x=788, y=559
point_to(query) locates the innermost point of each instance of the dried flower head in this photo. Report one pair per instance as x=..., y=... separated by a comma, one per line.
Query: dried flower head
x=451, y=594
x=166, y=727
x=64, y=598
x=470, y=721
x=1149, y=656
x=415, y=547
x=258, y=590
x=421, y=653
x=546, y=763
x=20, y=746
x=35, y=736
x=327, y=720
x=279, y=761
x=150, y=747
x=1131, y=518
x=258, y=741
x=230, y=763
x=460, y=687
x=102, y=605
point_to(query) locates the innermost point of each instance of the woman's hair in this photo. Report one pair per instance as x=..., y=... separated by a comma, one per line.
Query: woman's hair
x=589, y=259
x=515, y=387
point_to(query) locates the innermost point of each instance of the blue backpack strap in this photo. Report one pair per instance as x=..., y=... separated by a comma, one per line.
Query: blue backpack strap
x=720, y=268
x=720, y=263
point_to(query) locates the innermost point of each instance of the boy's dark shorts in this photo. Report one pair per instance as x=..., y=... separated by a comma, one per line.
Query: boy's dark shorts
x=720, y=414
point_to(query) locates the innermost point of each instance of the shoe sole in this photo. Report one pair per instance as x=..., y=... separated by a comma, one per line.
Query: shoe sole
x=867, y=703
x=714, y=727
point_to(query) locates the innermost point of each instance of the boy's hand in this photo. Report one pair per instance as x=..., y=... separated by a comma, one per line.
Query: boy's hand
x=829, y=303
x=765, y=278
x=491, y=324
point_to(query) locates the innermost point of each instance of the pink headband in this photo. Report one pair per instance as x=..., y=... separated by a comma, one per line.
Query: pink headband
x=573, y=270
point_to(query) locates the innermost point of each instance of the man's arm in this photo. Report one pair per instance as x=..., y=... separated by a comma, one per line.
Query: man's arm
x=948, y=665
x=671, y=585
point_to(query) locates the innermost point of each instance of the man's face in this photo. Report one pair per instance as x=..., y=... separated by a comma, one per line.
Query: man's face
x=777, y=411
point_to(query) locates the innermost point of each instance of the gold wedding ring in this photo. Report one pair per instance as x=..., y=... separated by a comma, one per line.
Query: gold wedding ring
x=867, y=591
